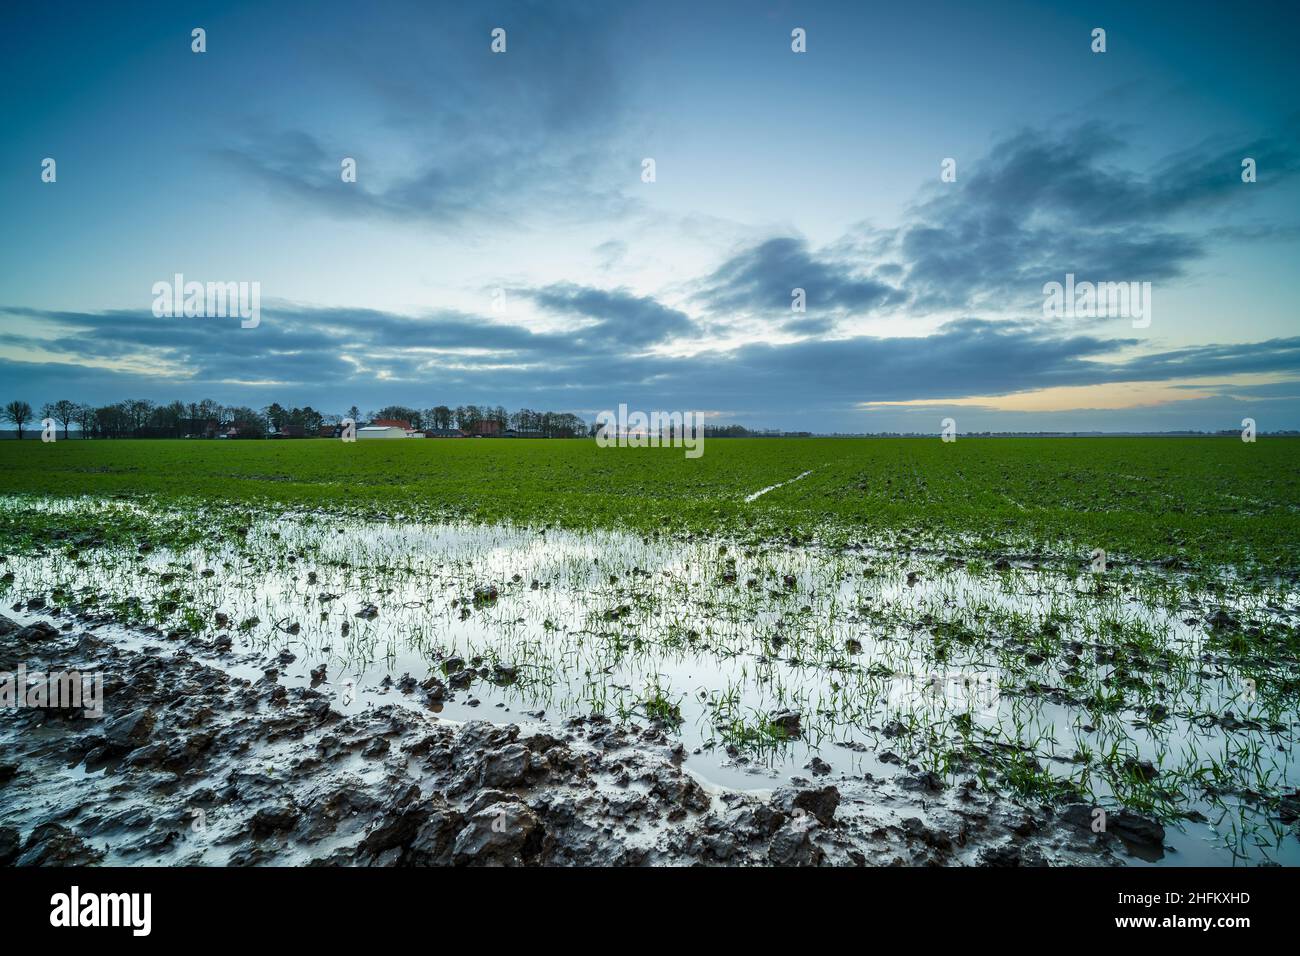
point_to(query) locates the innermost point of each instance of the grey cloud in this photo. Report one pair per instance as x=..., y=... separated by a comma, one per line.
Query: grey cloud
x=622, y=317
x=810, y=326
x=761, y=280
x=305, y=349
x=1040, y=205
x=1000, y=235
x=497, y=137
x=611, y=252
x=1037, y=206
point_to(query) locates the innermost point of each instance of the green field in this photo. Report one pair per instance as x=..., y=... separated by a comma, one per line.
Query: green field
x=916, y=604
x=1196, y=502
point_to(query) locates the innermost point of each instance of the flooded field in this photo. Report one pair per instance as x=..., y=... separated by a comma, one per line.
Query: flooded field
x=1045, y=678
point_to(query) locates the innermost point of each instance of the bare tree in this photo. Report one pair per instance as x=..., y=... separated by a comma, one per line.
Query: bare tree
x=63, y=411
x=18, y=412
x=138, y=410
x=85, y=419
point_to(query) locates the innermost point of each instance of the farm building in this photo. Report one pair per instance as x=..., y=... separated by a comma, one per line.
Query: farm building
x=381, y=431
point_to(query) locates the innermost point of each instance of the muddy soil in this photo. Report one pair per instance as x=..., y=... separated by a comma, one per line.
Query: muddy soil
x=192, y=765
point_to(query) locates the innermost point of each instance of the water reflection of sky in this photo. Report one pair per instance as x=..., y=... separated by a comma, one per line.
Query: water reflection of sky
x=603, y=622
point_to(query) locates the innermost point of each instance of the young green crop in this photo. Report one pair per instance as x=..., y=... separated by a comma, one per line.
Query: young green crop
x=1190, y=502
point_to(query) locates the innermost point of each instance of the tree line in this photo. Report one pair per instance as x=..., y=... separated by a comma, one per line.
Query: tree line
x=467, y=417
x=141, y=418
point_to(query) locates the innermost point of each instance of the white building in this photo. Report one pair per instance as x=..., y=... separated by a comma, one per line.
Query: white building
x=380, y=431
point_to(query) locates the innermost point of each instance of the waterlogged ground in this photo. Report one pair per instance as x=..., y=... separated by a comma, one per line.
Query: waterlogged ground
x=1038, y=677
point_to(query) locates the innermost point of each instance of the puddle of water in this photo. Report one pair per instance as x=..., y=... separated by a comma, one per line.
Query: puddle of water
x=887, y=660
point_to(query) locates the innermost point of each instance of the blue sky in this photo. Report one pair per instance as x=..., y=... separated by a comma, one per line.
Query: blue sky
x=500, y=246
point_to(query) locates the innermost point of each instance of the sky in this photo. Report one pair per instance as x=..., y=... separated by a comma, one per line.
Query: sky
x=501, y=244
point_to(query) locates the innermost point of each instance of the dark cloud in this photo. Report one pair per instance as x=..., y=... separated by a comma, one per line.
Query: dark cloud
x=622, y=318
x=1038, y=206
x=808, y=326
x=333, y=357
x=760, y=280
x=1041, y=205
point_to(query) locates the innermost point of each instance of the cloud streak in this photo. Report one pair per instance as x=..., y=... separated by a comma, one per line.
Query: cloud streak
x=316, y=355
x=464, y=136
